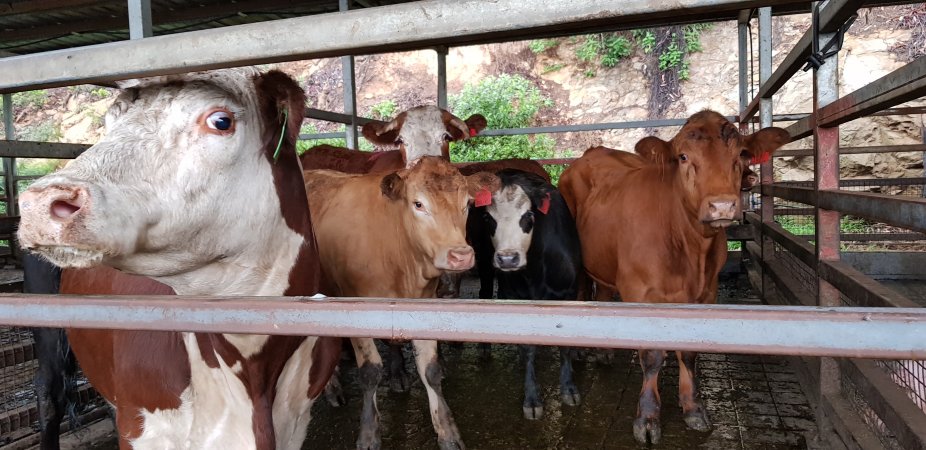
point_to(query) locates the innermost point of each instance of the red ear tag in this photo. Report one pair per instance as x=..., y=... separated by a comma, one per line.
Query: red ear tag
x=473, y=132
x=483, y=198
x=545, y=204
x=763, y=157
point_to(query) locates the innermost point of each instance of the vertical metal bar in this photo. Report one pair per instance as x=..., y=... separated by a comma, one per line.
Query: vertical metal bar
x=766, y=171
x=350, y=91
x=140, y=19
x=826, y=176
x=743, y=36
x=442, y=76
x=9, y=164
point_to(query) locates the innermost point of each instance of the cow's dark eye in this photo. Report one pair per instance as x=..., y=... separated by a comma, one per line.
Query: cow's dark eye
x=220, y=121
x=683, y=157
x=418, y=205
x=448, y=137
x=399, y=141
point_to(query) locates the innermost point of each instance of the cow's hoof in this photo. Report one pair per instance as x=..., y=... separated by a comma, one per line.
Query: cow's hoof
x=571, y=395
x=400, y=382
x=533, y=410
x=698, y=421
x=647, y=430
x=451, y=444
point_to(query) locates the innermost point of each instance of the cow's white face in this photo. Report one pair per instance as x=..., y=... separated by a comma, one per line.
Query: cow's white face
x=511, y=224
x=179, y=180
x=423, y=131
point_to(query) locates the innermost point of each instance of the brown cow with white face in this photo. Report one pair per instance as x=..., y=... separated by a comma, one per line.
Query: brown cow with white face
x=655, y=231
x=421, y=131
x=393, y=235
x=161, y=195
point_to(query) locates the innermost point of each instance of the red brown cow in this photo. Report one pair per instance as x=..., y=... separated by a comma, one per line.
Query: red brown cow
x=423, y=210
x=655, y=232
x=161, y=196
x=421, y=131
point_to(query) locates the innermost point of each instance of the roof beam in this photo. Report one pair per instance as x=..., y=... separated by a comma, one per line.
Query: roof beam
x=385, y=29
x=832, y=16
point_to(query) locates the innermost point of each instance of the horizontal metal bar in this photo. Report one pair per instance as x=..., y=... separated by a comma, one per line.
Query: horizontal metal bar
x=874, y=237
x=860, y=288
x=863, y=182
x=334, y=135
x=330, y=116
x=800, y=129
x=800, y=248
x=390, y=28
x=888, y=400
x=799, y=194
x=30, y=149
x=850, y=332
x=856, y=150
x=905, y=212
x=832, y=16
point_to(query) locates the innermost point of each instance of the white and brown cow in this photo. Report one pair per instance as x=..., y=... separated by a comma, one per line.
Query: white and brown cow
x=421, y=131
x=196, y=185
x=393, y=235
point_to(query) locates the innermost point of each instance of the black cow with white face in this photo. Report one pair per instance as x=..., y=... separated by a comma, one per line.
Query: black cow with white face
x=528, y=239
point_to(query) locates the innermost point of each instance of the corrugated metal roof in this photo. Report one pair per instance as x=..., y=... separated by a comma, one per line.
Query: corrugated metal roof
x=42, y=25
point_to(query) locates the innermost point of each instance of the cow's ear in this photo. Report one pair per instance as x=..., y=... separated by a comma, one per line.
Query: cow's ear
x=476, y=123
x=282, y=101
x=761, y=144
x=540, y=198
x=457, y=128
x=654, y=150
x=384, y=133
x=392, y=186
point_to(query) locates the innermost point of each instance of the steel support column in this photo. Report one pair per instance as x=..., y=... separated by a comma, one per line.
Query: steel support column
x=350, y=91
x=9, y=164
x=441, y=76
x=140, y=19
x=826, y=176
x=766, y=171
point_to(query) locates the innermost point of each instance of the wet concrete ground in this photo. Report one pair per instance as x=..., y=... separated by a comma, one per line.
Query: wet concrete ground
x=755, y=402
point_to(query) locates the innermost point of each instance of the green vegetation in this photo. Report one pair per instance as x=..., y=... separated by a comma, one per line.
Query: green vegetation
x=616, y=48
x=542, y=45
x=101, y=93
x=507, y=101
x=302, y=146
x=41, y=132
x=588, y=51
x=384, y=110
x=553, y=67
x=646, y=39
x=35, y=166
x=29, y=99
x=604, y=49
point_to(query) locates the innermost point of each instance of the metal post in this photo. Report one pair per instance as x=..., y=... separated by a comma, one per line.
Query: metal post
x=9, y=164
x=350, y=91
x=826, y=176
x=442, y=76
x=140, y=19
x=766, y=170
x=743, y=38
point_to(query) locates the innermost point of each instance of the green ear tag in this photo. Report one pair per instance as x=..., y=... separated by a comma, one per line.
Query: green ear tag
x=276, y=154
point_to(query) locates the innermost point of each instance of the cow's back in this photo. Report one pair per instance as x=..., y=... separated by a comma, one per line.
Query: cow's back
x=494, y=166
x=329, y=157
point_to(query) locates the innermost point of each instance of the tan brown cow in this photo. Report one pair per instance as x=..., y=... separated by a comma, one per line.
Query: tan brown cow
x=392, y=235
x=421, y=131
x=655, y=232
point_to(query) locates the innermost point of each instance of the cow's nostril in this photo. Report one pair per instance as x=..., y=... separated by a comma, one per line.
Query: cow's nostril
x=62, y=209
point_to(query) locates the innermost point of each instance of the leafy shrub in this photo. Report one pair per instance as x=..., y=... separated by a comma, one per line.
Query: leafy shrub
x=507, y=101
x=616, y=49
x=383, y=110
x=588, y=51
x=542, y=45
x=553, y=67
x=27, y=99
x=101, y=93
x=35, y=166
x=671, y=57
x=646, y=39
x=42, y=132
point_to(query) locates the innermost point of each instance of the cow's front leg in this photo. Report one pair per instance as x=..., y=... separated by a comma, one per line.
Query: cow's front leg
x=567, y=387
x=399, y=381
x=370, y=374
x=334, y=391
x=533, y=402
x=646, y=426
x=688, y=396
x=429, y=369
